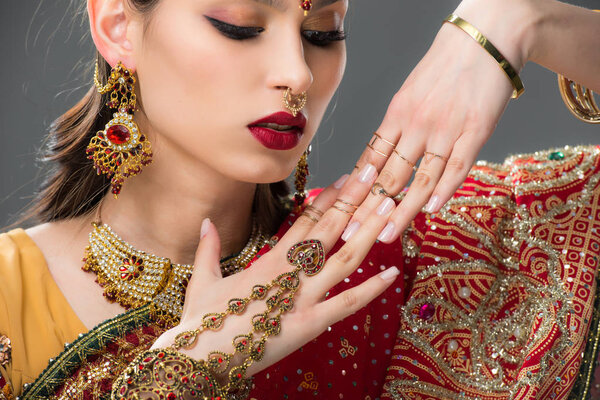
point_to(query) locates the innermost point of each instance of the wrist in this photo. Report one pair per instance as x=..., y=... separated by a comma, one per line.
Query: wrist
x=511, y=25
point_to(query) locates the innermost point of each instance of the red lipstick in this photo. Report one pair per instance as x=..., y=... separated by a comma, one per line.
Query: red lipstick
x=279, y=131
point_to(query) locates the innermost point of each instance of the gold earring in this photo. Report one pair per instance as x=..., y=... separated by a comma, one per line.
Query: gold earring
x=120, y=150
x=294, y=103
x=301, y=176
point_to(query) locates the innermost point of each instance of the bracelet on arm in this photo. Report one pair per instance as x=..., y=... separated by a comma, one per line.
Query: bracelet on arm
x=492, y=50
x=173, y=375
x=579, y=100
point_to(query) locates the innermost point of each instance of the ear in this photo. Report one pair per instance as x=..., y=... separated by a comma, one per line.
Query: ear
x=112, y=30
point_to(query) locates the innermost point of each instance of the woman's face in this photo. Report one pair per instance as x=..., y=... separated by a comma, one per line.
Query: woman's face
x=203, y=80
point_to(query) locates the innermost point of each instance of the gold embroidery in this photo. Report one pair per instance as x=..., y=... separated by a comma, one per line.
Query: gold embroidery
x=346, y=349
x=510, y=324
x=309, y=382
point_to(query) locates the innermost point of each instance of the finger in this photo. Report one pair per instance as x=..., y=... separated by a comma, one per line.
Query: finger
x=306, y=221
x=208, y=254
x=332, y=223
x=207, y=267
x=344, y=261
x=459, y=164
x=420, y=191
x=392, y=178
x=351, y=300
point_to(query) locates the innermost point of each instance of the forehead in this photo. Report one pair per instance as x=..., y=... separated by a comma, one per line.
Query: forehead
x=283, y=4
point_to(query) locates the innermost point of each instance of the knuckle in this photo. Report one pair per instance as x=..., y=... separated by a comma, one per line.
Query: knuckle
x=304, y=221
x=398, y=105
x=456, y=164
x=387, y=179
x=326, y=223
x=422, y=179
x=350, y=301
x=344, y=256
x=371, y=157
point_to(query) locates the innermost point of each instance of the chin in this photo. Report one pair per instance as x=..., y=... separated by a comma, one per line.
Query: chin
x=264, y=172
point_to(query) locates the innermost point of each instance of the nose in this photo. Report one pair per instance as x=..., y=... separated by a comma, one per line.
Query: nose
x=288, y=66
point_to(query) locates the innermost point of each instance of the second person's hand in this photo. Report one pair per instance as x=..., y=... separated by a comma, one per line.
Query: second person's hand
x=443, y=114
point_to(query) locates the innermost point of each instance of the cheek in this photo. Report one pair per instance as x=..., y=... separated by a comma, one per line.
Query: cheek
x=328, y=69
x=184, y=80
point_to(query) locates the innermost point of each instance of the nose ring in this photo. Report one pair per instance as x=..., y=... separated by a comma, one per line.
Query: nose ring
x=294, y=103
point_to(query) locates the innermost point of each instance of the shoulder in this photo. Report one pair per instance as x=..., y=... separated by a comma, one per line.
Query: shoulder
x=17, y=250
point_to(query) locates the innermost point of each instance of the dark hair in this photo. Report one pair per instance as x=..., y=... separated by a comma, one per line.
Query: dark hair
x=72, y=188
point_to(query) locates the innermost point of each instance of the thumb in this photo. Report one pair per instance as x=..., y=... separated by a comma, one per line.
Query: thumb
x=207, y=267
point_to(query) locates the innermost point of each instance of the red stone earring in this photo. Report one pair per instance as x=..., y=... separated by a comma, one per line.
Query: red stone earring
x=120, y=150
x=301, y=178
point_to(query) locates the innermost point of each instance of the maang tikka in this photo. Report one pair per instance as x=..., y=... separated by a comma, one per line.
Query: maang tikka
x=120, y=150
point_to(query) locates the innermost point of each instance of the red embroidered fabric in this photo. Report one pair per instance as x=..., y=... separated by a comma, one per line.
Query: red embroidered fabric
x=500, y=288
x=495, y=302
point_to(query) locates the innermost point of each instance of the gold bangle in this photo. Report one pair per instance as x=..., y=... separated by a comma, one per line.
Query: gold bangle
x=492, y=50
x=579, y=100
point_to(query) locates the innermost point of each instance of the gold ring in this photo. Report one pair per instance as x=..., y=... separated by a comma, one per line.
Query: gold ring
x=377, y=136
x=314, y=209
x=381, y=153
x=342, y=210
x=434, y=155
x=346, y=203
x=412, y=164
x=377, y=189
x=311, y=217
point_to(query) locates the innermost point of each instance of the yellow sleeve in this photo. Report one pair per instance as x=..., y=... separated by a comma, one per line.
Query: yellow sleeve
x=34, y=314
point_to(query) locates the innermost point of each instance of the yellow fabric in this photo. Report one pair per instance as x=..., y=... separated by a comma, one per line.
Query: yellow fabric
x=34, y=314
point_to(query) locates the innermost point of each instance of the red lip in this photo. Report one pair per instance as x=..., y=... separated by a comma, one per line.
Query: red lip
x=278, y=140
x=283, y=118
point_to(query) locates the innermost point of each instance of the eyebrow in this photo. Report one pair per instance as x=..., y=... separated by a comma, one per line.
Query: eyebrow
x=282, y=4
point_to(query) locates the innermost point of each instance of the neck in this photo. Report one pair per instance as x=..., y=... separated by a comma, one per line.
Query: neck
x=161, y=210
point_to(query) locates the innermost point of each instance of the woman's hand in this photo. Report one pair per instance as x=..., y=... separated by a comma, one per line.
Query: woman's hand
x=208, y=292
x=444, y=112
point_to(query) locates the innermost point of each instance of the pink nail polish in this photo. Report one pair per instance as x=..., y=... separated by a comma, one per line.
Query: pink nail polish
x=368, y=172
x=386, y=206
x=350, y=231
x=204, y=227
x=433, y=204
x=389, y=273
x=387, y=233
x=340, y=182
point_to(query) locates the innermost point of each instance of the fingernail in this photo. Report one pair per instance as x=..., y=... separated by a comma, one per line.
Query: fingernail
x=350, y=230
x=390, y=274
x=204, y=227
x=387, y=233
x=367, y=173
x=340, y=182
x=386, y=206
x=432, y=205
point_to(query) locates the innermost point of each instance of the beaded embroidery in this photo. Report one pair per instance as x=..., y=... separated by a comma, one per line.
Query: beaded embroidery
x=511, y=311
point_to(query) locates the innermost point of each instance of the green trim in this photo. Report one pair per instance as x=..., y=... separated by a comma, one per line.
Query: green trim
x=92, y=342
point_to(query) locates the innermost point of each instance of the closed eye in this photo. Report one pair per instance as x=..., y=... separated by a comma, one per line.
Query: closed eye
x=234, y=31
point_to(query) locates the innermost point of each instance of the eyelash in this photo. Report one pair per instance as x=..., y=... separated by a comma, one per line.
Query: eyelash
x=318, y=38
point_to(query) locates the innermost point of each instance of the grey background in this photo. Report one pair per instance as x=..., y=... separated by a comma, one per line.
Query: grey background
x=46, y=53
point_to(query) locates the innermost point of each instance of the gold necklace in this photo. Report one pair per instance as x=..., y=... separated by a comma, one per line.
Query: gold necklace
x=134, y=278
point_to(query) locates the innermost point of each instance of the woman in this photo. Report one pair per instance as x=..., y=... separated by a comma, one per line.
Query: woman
x=179, y=69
